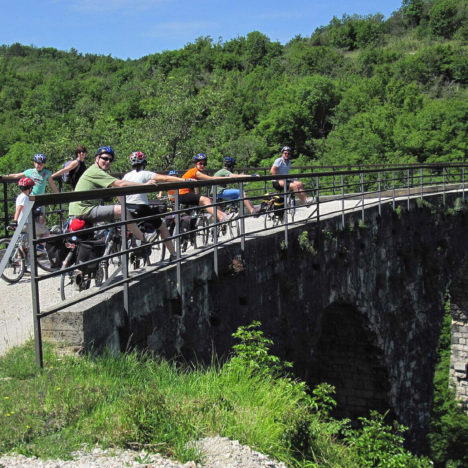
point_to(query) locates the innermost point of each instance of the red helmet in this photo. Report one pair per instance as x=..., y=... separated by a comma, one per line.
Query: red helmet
x=26, y=182
x=137, y=158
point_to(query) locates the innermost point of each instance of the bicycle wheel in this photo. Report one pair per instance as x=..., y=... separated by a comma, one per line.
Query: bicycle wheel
x=234, y=228
x=16, y=265
x=271, y=219
x=44, y=263
x=73, y=282
x=203, y=231
x=292, y=207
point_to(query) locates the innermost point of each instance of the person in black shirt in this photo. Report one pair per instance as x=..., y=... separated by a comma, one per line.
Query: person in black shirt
x=74, y=169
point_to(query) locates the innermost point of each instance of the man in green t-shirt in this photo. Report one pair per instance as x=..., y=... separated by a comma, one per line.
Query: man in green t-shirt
x=231, y=193
x=97, y=177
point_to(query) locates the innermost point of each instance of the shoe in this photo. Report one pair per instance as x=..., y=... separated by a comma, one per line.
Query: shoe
x=228, y=217
x=150, y=236
x=40, y=250
x=77, y=280
x=172, y=257
x=256, y=212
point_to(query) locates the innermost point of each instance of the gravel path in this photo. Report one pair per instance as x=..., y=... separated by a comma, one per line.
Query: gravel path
x=218, y=452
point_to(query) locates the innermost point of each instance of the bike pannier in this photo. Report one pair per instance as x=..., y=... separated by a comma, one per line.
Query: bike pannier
x=89, y=250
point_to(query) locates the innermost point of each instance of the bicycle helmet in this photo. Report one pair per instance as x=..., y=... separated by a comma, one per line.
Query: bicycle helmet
x=173, y=173
x=104, y=150
x=26, y=182
x=200, y=157
x=40, y=158
x=137, y=158
x=286, y=148
x=228, y=161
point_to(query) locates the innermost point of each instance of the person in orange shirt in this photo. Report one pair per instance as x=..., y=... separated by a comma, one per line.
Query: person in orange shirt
x=188, y=196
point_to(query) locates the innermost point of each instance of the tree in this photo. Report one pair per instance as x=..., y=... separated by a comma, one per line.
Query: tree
x=443, y=18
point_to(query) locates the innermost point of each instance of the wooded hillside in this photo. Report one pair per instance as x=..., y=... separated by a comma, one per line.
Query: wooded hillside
x=359, y=90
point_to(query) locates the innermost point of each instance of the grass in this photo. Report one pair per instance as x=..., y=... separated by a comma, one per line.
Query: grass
x=135, y=401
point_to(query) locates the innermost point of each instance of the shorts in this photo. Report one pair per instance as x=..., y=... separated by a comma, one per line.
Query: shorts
x=191, y=198
x=100, y=213
x=278, y=187
x=140, y=211
x=229, y=194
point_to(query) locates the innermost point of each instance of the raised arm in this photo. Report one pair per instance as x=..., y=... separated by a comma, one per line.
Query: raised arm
x=73, y=165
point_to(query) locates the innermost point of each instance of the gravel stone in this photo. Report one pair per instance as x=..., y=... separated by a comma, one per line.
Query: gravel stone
x=218, y=452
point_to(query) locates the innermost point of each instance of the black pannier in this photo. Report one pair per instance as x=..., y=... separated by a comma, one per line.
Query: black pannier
x=56, y=251
x=89, y=250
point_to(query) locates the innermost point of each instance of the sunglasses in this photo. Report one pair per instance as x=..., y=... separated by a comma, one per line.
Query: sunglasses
x=203, y=163
x=104, y=158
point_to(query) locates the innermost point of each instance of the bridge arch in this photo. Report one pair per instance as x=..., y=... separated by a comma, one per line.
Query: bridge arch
x=347, y=354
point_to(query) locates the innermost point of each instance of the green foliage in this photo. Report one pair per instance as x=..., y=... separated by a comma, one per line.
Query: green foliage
x=305, y=244
x=378, y=444
x=253, y=351
x=448, y=435
x=360, y=90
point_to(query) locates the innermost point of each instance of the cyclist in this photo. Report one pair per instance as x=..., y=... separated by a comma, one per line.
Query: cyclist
x=138, y=204
x=188, y=196
x=40, y=175
x=74, y=168
x=281, y=166
x=231, y=193
x=26, y=185
x=96, y=177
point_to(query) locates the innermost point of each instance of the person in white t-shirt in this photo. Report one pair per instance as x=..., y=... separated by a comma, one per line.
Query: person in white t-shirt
x=26, y=185
x=138, y=204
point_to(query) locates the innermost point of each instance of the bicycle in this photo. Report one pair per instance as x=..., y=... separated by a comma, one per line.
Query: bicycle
x=79, y=279
x=232, y=226
x=17, y=265
x=193, y=229
x=275, y=206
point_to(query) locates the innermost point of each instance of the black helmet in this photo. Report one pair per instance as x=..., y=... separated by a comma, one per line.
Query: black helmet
x=200, y=157
x=286, y=148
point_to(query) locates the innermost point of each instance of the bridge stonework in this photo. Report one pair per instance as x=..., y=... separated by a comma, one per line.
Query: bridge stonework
x=359, y=307
x=459, y=355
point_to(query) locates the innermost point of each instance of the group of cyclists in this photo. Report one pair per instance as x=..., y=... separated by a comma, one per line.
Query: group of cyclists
x=89, y=212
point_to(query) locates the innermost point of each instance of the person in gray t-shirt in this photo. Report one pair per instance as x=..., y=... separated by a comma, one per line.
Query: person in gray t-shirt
x=281, y=166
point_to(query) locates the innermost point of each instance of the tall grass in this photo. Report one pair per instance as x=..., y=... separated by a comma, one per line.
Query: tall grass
x=135, y=401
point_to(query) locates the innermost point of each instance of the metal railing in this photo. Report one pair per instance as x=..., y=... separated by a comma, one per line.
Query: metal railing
x=329, y=193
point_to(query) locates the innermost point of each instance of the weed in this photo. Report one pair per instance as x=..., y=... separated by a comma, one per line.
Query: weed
x=305, y=244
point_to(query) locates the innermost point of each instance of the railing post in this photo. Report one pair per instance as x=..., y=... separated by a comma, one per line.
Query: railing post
x=393, y=189
x=342, y=202
x=215, y=229
x=317, y=188
x=409, y=188
x=177, y=231
x=421, y=181
x=285, y=212
x=5, y=207
x=361, y=177
x=463, y=183
x=35, y=290
x=242, y=213
x=443, y=184
x=124, y=255
x=380, y=194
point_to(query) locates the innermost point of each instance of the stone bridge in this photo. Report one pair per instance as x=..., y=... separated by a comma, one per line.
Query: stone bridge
x=359, y=306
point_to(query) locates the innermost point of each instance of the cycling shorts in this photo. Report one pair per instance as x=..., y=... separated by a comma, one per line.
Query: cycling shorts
x=277, y=186
x=100, y=213
x=141, y=210
x=191, y=198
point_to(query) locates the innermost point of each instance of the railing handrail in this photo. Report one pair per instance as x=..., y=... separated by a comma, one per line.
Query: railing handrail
x=66, y=197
